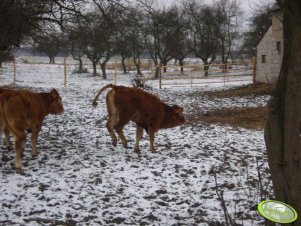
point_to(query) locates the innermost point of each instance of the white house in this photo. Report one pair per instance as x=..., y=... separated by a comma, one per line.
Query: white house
x=270, y=51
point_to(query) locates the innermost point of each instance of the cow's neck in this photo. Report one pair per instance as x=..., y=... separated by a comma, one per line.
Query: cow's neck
x=167, y=119
x=46, y=101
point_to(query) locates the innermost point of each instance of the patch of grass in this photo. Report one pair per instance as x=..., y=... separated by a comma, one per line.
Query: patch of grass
x=246, y=117
x=252, y=89
x=250, y=118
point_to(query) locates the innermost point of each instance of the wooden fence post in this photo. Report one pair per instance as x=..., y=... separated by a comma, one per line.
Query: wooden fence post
x=115, y=75
x=65, y=72
x=254, y=69
x=160, y=77
x=14, y=65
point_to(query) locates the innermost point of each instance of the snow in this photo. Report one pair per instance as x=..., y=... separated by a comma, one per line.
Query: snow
x=79, y=178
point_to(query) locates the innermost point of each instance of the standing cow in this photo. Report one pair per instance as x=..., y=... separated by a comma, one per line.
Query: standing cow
x=24, y=110
x=126, y=104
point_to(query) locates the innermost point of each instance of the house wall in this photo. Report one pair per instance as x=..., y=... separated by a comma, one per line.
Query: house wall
x=271, y=45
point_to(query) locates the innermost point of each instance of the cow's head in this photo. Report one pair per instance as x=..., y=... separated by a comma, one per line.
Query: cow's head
x=178, y=115
x=173, y=117
x=56, y=105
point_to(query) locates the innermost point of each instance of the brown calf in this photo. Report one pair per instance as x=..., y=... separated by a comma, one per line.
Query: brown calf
x=24, y=110
x=126, y=104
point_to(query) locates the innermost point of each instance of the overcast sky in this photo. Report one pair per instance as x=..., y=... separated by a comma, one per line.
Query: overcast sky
x=247, y=5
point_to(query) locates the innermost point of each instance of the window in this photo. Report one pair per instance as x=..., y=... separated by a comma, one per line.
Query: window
x=278, y=47
x=263, y=59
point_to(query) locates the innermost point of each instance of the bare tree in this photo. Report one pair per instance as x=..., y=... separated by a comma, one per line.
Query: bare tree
x=204, y=31
x=259, y=23
x=228, y=14
x=180, y=44
x=122, y=38
x=136, y=46
x=282, y=132
x=51, y=43
x=18, y=19
x=158, y=29
x=76, y=48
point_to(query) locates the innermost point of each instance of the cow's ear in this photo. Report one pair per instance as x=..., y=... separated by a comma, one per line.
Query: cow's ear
x=178, y=109
x=54, y=93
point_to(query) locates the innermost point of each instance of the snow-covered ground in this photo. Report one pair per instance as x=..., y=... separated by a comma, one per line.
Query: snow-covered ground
x=79, y=178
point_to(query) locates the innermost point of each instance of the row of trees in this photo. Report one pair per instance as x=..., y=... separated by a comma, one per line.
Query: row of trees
x=165, y=33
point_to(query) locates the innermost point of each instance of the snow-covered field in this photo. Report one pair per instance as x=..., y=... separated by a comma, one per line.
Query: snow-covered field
x=79, y=178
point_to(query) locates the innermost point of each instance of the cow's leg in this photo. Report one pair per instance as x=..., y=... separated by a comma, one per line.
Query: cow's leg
x=7, y=140
x=151, y=133
x=1, y=140
x=19, y=143
x=113, y=116
x=4, y=158
x=121, y=136
x=110, y=126
x=139, y=133
x=34, y=138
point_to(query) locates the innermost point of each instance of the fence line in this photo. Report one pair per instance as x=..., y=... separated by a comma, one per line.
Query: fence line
x=192, y=74
x=171, y=75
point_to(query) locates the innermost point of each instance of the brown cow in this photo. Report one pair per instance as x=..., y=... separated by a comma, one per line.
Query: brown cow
x=24, y=110
x=126, y=104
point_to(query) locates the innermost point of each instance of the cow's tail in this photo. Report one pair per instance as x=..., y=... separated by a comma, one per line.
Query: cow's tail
x=99, y=92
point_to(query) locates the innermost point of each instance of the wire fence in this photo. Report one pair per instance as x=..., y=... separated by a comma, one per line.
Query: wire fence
x=171, y=75
x=196, y=75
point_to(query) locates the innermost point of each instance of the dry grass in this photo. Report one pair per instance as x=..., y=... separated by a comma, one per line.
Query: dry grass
x=253, y=89
x=248, y=117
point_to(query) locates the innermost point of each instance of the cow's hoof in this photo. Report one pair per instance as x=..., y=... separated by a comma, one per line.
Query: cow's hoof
x=153, y=151
x=114, y=143
x=19, y=171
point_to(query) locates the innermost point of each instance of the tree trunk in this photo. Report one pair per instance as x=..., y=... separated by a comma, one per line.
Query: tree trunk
x=157, y=71
x=123, y=65
x=80, y=66
x=137, y=63
x=103, y=66
x=181, y=63
x=51, y=60
x=94, y=68
x=164, y=63
x=282, y=132
x=206, y=68
x=103, y=69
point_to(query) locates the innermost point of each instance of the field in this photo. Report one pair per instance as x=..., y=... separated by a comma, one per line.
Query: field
x=79, y=178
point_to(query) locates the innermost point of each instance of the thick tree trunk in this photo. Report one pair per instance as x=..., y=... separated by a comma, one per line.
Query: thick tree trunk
x=206, y=69
x=80, y=66
x=51, y=60
x=103, y=66
x=103, y=70
x=282, y=132
x=157, y=71
x=94, y=68
x=123, y=65
x=181, y=63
